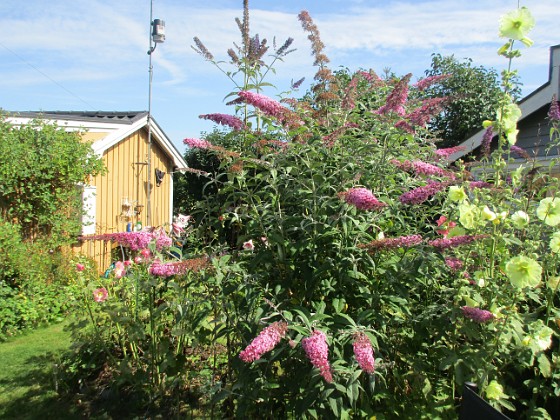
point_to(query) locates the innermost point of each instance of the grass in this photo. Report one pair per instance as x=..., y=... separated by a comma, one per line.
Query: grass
x=28, y=376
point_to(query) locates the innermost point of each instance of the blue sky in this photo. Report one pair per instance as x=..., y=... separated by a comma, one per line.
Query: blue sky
x=91, y=54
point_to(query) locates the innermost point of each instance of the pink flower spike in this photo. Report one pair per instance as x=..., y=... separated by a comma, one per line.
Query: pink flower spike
x=100, y=295
x=362, y=199
x=364, y=353
x=80, y=267
x=224, y=119
x=197, y=143
x=264, y=342
x=317, y=352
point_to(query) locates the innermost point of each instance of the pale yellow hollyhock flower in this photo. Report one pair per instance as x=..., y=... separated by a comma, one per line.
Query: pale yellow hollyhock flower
x=549, y=211
x=517, y=24
x=457, y=194
x=494, y=391
x=520, y=219
x=469, y=215
x=507, y=117
x=523, y=271
x=553, y=282
x=487, y=214
x=555, y=242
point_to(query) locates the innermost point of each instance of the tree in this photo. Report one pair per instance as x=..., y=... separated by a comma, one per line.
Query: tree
x=41, y=167
x=475, y=92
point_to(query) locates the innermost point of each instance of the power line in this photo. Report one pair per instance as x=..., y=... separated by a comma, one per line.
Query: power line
x=47, y=76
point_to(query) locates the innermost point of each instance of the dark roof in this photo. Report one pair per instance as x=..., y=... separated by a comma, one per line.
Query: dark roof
x=125, y=117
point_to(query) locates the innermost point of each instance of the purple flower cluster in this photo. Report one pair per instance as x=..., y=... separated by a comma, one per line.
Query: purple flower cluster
x=455, y=241
x=362, y=198
x=487, y=141
x=397, y=98
x=455, y=264
x=478, y=315
x=554, y=110
x=174, y=268
x=364, y=353
x=317, y=352
x=520, y=152
x=480, y=184
x=391, y=243
x=224, y=119
x=445, y=153
x=197, y=143
x=264, y=342
x=422, y=168
x=421, y=194
x=429, y=81
x=134, y=240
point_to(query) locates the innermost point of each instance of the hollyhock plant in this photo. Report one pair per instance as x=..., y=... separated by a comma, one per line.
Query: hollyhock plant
x=267, y=339
x=517, y=24
x=555, y=242
x=549, y=211
x=362, y=198
x=523, y=271
x=317, y=352
x=80, y=267
x=100, y=294
x=119, y=270
x=520, y=219
x=363, y=352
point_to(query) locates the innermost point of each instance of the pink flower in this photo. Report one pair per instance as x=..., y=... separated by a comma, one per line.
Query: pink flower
x=249, y=246
x=317, y=352
x=445, y=153
x=119, y=269
x=421, y=194
x=422, y=115
x=422, y=168
x=455, y=264
x=80, y=267
x=264, y=342
x=362, y=198
x=391, y=243
x=447, y=226
x=137, y=259
x=100, y=295
x=554, y=111
x=127, y=263
x=224, y=119
x=132, y=240
x=478, y=315
x=429, y=81
x=146, y=253
x=364, y=353
x=267, y=105
x=397, y=98
x=197, y=143
x=455, y=241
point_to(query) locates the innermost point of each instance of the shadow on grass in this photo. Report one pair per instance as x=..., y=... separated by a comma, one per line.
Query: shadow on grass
x=34, y=393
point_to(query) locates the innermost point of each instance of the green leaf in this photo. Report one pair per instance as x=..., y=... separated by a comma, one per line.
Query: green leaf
x=544, y=365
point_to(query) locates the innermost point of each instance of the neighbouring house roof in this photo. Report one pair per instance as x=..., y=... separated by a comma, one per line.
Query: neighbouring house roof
x=105, y=129
x=529, y=105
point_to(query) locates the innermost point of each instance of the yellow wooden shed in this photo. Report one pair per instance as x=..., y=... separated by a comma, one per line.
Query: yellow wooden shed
x=137, y=188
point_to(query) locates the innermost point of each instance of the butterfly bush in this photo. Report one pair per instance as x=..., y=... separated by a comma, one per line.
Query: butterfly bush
x=363, y=352
x=267, y=339
x=317, y=352
x=362, y=199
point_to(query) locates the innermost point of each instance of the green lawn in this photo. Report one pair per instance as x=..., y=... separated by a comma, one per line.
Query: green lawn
x=28, y=376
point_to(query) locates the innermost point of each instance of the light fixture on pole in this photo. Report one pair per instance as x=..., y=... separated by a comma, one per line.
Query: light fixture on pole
x=157, y=36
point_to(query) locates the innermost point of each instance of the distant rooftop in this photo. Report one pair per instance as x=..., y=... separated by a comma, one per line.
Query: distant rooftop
x=125, y=117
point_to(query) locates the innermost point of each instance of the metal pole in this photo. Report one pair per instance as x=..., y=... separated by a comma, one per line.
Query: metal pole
x=151, y=73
